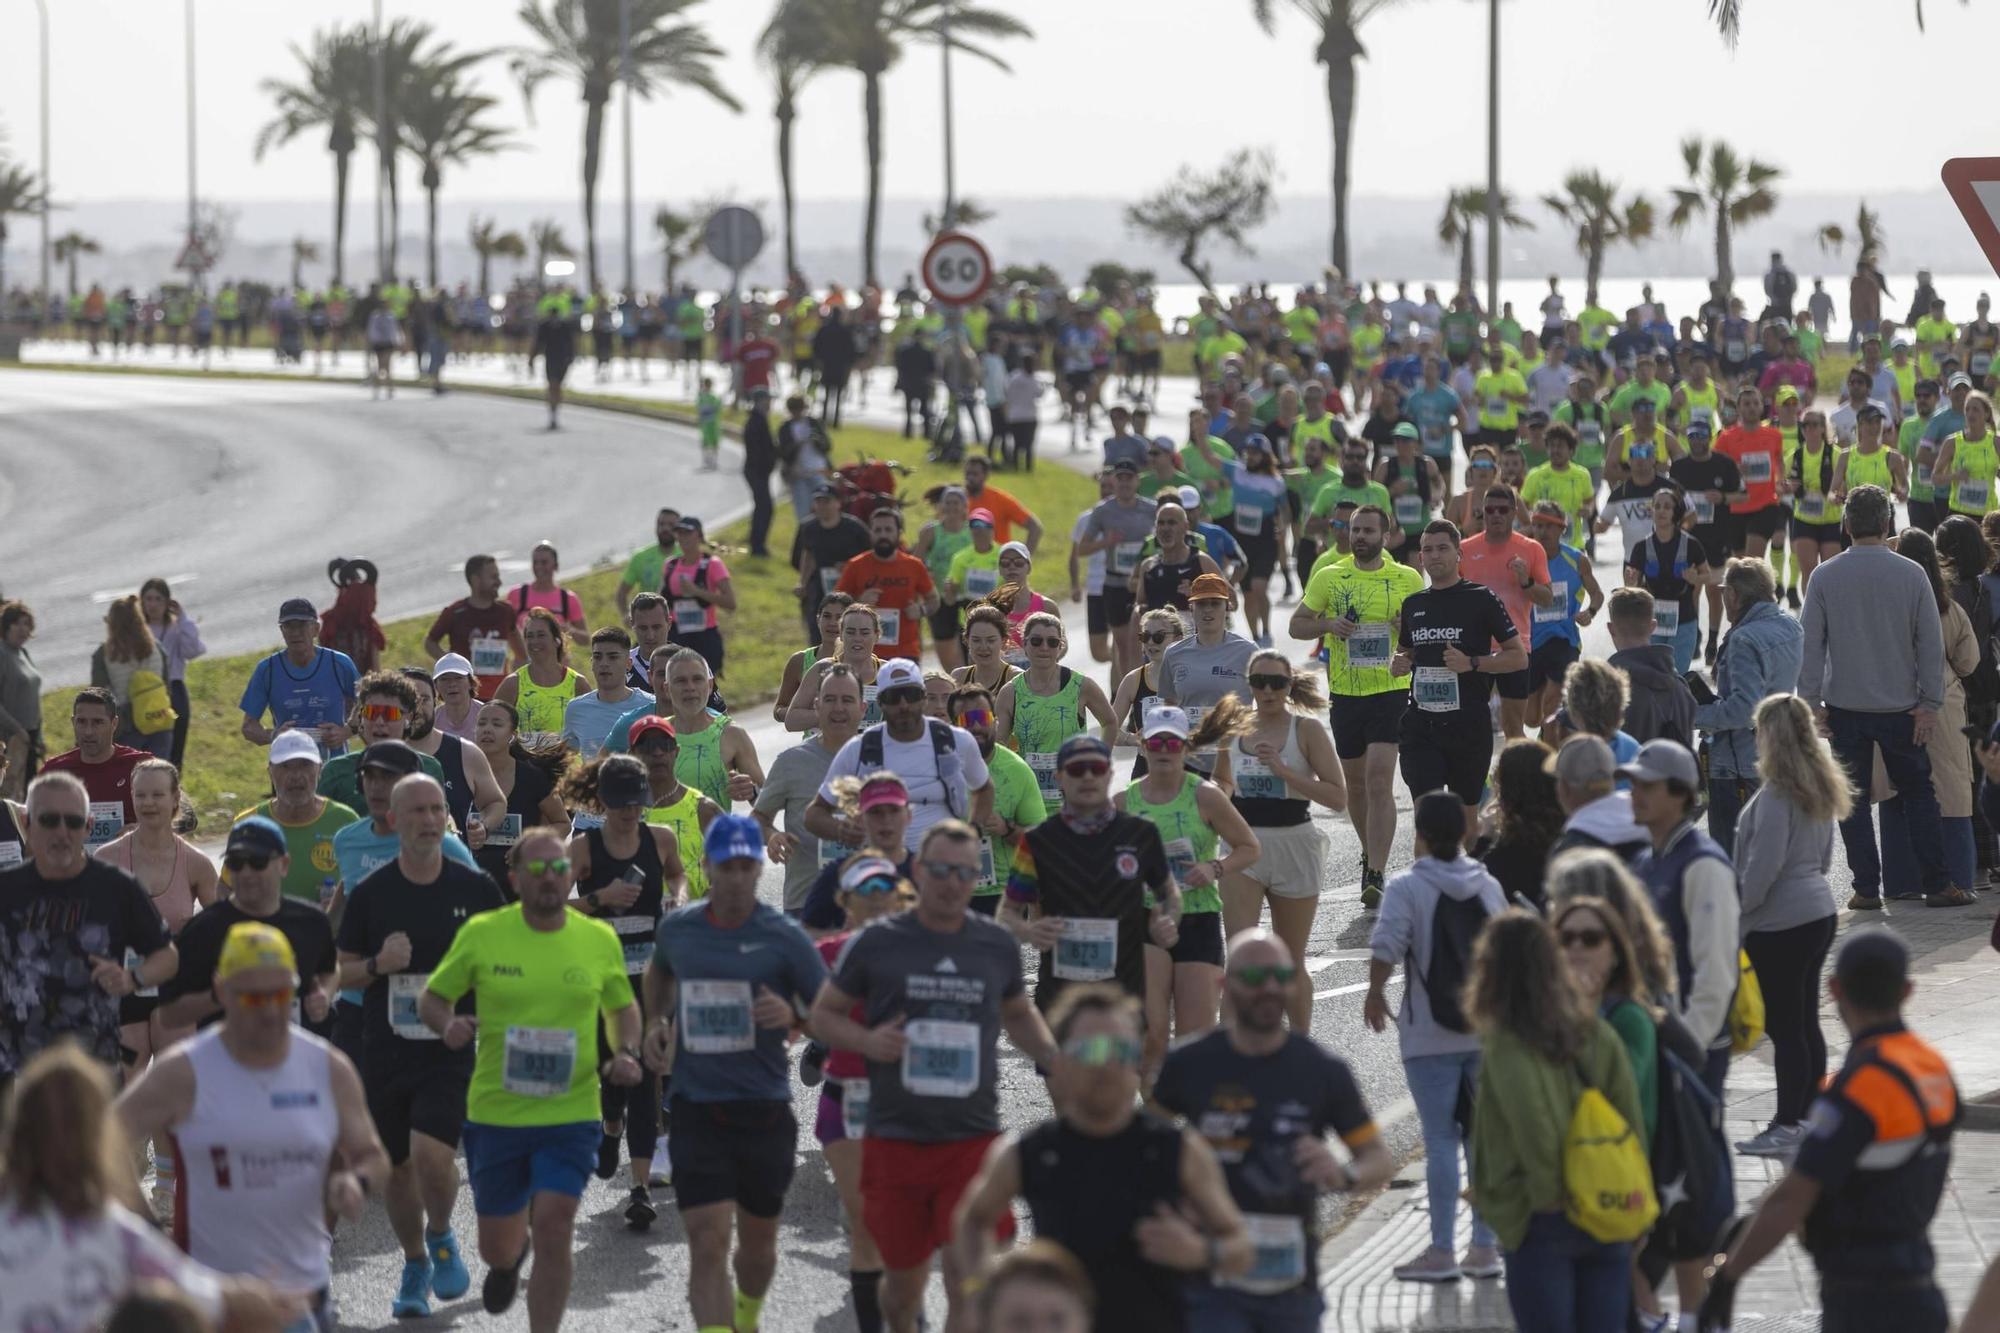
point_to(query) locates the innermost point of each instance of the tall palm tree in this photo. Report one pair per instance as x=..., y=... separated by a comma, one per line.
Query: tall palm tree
x=443, y=120
x=545, y=235
x=1465, y=209
x=1734, y=191
x=966, y=212
x=1338, y=23
x=303, y=252
x=488, y=241
x=411, y=76
x=790, y=47
x=1589, y=203
x=334, y=94
x=867, y=36
x=680, y=241
x=21, y=193
x=579, y=39
x=1728, y=16
x=1869, y=238
x=68, y=246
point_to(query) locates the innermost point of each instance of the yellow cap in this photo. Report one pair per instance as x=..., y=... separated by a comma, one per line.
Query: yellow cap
x=251, y=944
x=1786, y=394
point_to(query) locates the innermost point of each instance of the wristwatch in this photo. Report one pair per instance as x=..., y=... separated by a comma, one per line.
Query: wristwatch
x=591, y=900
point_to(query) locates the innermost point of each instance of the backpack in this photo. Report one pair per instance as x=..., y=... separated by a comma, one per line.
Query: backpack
x=521, y=603
x=944, y=751
x=667, y=575
x=1607, y=1181
x=1690, y=1158
x=1455, y=924
x=152, y=707
x=1746, y=1008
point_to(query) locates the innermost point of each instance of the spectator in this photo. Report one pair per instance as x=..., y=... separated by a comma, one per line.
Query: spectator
x=1660, y=704
x=1873, y=671
x=760, y=457
x=1965, y=556
x=1595, y=695
x=180, y=639
x=20, y=699
x=133, y=666
x=1590, y=873
x=1759, y=654
x=1539, y=1042
x=1784, y=847
x=1440, y=1052
x=1600, y=960
x=1598, y=813
x=1526, y=821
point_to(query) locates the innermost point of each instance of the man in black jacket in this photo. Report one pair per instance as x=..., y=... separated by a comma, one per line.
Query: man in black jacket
x=760, y=455
x=1661, y=706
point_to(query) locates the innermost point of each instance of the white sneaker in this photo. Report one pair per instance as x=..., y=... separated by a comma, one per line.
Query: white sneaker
x=663, y=1165
x=1775, y=1141
x=1430, y=1266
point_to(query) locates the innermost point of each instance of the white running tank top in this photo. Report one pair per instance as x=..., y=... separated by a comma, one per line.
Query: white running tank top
x=252, y=1163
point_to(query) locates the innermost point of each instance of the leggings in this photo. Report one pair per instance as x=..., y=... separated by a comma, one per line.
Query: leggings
x=1788, y=964
x=638, y=1106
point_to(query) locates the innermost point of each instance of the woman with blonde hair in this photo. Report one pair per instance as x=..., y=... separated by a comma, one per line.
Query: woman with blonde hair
x=128, y=655
x=1592, y=872
x=860, y=635
x=1036, y=711
x=1784, y=848
x=1138, y=694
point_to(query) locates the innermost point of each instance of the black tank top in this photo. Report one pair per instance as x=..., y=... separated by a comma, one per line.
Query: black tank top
x=457, y=791
x=637, y=924
x=1088, y=1194
x=1136, y=722
x=1161, y=585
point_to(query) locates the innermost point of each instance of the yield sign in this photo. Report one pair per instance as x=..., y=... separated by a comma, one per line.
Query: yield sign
x=1974, y=183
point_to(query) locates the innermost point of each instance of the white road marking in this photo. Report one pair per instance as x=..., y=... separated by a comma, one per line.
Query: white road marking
x=105, y=596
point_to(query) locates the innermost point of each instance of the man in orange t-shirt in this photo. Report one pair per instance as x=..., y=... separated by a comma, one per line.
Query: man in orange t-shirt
x=895, y=583
x=1516, y=569
x=1006, y=510
x=1758, y=450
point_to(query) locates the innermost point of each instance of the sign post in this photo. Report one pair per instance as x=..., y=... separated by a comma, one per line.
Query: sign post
x=1974, y=185
x=733, y=236
x=958, y=270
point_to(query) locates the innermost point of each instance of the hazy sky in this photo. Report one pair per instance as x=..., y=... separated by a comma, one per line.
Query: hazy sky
x=1108, y=99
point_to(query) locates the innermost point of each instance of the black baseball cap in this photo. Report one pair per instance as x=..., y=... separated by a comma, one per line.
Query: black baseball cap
x=296, y=608
x=391, y=757
x=622, y=782
x=1125, y=465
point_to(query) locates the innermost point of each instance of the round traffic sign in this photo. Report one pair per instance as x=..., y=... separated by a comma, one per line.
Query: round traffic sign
x=957, y=269
x=733, y=236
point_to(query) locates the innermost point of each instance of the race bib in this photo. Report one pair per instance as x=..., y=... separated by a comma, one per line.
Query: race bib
x=1666, y=619
x=1435, y=689
x=1557, y=611
x=539, y=1062
x=1249, y=520
x=1700, y=415
x=10, y=855
x=406, y=989
x=715, y=1017
x=107, y=821
x=1409, y=509
x=854, y=1098
x=635, y=938
x=534, y=740
x=1590, y=433
x=1704, y=508
x=1180, y=857
x=1757, y=466
x=1734, y=349
x=1981, y=362
x=1254, y=778
x=940, y=1058
x=981, y=582
x=489, y=656
x=869, y=711
x=892, y=622
x=1971, y=495
x=1125, y=556
x=830, y=852
x=988, y=872
x=1088, y=949
x=132, y=962
x=1496, y=407
x=1811, y=507
x=1368, y=646
x=1279, y=1244
x=583, y=821
x=506, y=834
x=1044, y=766
x=690, y=616
x=827, y=579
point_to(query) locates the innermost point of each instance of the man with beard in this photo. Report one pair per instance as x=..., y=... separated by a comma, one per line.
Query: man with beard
x=1017, y=797
x=1264, y=1098
x=1354, y=486
x=897, y=584
x=470, y=789
x=1516, y=569
x=642, y=571
x=821, y=548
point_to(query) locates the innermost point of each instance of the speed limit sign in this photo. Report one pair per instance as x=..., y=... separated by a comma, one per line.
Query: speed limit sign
x=957, y=269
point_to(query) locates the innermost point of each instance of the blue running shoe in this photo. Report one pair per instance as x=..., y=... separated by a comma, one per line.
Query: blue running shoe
x=449, y=1278
x=413, y=1300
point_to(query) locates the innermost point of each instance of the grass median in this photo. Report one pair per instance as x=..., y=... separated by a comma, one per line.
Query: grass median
x=225, y=773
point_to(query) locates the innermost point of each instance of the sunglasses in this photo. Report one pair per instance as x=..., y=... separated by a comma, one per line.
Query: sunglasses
x=1043, y=641
x=1499, y=511
x=901, y=694
x=382, y=712
x=1087, y=768
x=1159, y=637
x=1587, y=938
x=280, y=998
x=51, y=819
x=555, y=865
x=1103, y=1049
x=1255, y=974
x=1481, y=467
x=951, y=870
x=874, y=884
x=241, y=860
x=1263, y=682
x=975, y=717
x=1165, y=744
x=656, y=744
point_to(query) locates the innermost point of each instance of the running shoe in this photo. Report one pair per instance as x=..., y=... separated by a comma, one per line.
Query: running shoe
x=1482, y=1261
x=640, y=1213
x=662, y=1172
x=1792, y=598
x=1371, y=890
x=1430, y=1266
x=812, y=1064
x=449, y=1278
x=607, y=1156
x=1775, y=1141
x=496, y=1293
x=413, y=1299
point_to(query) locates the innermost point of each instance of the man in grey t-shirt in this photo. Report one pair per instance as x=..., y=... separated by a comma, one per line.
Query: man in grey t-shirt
x=795, y=778
x=1119, y=527
x=937, y=985
x=1196, y=672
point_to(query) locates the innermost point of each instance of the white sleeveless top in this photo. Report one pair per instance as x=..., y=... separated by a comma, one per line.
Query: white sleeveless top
x=252, y=1159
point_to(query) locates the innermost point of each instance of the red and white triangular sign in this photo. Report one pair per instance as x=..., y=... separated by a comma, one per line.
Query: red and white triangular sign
x=1974, y=183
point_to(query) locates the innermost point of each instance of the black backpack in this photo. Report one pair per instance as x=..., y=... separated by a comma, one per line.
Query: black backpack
x=1692, y=1170
x=944, y=751
x=1455, y=924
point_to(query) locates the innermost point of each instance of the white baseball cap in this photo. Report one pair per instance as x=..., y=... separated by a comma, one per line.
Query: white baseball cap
x=451, y=664
x=898, y=671
x=1166, y=720
x=290, y=745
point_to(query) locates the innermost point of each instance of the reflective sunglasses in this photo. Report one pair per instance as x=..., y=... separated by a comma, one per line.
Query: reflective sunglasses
x=1103, y=1049
x=280, y=998
x=1043, y=641
x=1165, y=744
x=1257, y=974
x=874, y=884
x=555, y=865
x=975, y=717
x=1086, y=768
x=53, y=819
x=1481, y=466
x=240, y=860
x=1587, y=938
x=901, y=694
x=952, y=870
x=1260, y=681
x=382, y=712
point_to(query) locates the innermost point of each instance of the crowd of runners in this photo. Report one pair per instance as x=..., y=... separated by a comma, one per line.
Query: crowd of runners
x=506, y=905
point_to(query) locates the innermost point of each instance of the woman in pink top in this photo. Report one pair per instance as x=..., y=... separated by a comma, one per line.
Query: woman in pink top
x=1015, y=567
x=695, y=583
x=551, y=596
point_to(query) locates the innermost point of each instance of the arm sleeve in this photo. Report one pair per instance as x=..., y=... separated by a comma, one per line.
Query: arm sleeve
x=1812, y=660
x=1395, y=925
x=452, y=977
x=1930, y=655
x=1762, y=833
x=1708, y=898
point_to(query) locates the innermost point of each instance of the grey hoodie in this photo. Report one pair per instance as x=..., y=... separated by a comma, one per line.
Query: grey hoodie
x=1661, y=705
x=1403, y=935
x=1607, y=823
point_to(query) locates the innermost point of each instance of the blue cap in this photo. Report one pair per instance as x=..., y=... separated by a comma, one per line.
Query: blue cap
x=257, y=833
x=731, y=837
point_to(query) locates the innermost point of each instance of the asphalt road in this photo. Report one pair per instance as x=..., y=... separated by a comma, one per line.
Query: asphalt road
x=240, y=492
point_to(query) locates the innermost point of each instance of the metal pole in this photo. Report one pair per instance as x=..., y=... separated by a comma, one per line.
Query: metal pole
x=625, y=77
x=1493, y=160
x=944, y=46
x=42, y=10
x=736, y=334
x=381, y=151
x=193, y=226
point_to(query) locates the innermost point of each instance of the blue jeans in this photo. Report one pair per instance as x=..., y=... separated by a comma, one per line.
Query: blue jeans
x=1685, y=642
x=1726, y=799
x=1214, y=1309
x=1899, y=857
x=1559, y=1280
x=1856, y=738
x=1436, y=1084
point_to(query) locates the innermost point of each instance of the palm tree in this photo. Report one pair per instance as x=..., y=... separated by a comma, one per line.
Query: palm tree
x=336, y=91
x=546, y=237
x=867, y=37
x=1728, y=16
x=1463, y=210
x=579, y=38
x=1589, y=203
x=443, y=121
x=680, y=241
x=967, y=212
x=1735, y=191
x=1338, y=23
x=411, y=78
x=489, y=241
x=303, y=252
x=68, y=246
x=790, y=47
x=1230, y=202
x=21, y=192
x=1869, y=238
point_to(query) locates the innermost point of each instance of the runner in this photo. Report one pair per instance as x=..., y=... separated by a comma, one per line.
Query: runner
x=860, y=634
x=1713, y=487
x=1198, y=671
x=1264, y=1099
x=1756, y=448
x=541, y=977
x=1165, y=577
x=1412, y=480
x=1967, y=459
x=1119, y=527
x=939, y=542
x=309, y=820
x=1445, y=643
x=456, y=712
x=480, y=628
x=555, y=344
x=541, y=690
x=1017, y=797
x=1138, y=694
x=642, y=571
x=1630, y=502
x=1555, y=637
x=1565, y=482
x=471, y=793
x=1516, y=570
x=1258, y=522
x=1920, y=453
x=1671, y=564
x=399, y=922
x=795, y=778
x=589, y=718
x=1044, y=706
x=103, y=766
x=544, y=593
x=1816, y=530
x=831, y=608
x=935, y=986
x=671, y=803
x=1434, y=412
x=939, y=764
x=695, y=583
x=987, y=635
x=872, y=817
x=894, y=582
x=280, y=1110
x=727, y=982
x=716, y=756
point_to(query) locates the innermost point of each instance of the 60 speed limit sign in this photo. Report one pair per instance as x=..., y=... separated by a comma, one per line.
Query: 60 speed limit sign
x=957, y=269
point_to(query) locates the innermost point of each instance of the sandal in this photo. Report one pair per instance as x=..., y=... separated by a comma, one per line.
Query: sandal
x=1951, y=897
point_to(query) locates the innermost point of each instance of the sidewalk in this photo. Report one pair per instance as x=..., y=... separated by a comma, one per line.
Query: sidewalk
x=1957, y=977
